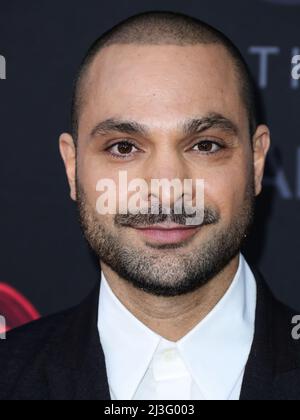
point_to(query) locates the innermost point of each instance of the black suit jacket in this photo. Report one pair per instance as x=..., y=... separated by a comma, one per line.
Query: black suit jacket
x=60, y=357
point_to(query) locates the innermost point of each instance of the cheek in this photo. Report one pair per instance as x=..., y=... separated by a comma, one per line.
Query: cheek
x=225, y=188
x=106, y=188
x=90, y=173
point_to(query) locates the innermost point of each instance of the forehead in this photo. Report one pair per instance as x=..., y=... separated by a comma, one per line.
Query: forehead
x=158, y=84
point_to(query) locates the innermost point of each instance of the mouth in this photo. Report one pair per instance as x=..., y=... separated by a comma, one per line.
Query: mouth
x=168, y=233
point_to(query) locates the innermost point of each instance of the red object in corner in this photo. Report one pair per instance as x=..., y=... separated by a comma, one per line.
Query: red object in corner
x=15, y=308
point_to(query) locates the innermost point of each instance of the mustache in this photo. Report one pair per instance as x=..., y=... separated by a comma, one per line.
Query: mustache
x=137, y=220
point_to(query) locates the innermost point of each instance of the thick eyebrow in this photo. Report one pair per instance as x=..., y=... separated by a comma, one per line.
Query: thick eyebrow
x=115, y=125
x=189, y=127
x=213, y=120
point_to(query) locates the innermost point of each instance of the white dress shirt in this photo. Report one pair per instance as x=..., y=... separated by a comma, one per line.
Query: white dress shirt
x=207, y=364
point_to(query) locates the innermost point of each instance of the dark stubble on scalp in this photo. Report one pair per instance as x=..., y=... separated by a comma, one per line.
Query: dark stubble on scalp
x=163, y=273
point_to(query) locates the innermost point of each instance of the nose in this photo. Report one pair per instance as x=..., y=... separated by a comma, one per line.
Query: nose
x=165, y=173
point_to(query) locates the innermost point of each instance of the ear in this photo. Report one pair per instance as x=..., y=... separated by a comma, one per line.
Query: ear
x=68, y=153
x=261, y=146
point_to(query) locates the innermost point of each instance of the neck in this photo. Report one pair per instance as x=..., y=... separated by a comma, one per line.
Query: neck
x=172, y=317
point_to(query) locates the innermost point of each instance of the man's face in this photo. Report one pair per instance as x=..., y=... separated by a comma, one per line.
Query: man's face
x=163, y=88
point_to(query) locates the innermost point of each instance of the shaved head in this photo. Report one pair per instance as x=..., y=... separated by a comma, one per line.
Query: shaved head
x=163, y=28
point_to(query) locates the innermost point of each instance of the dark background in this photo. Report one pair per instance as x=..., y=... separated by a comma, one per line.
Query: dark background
x=43, y=253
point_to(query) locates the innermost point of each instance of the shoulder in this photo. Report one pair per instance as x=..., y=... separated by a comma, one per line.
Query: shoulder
x=279, y=318
x=26, y=337
x=286, y=332
x=286, y=352
x=28, y=351
x=271, y=312
x=281, y=335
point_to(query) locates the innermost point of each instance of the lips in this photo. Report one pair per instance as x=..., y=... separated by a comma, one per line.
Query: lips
x=168, y=233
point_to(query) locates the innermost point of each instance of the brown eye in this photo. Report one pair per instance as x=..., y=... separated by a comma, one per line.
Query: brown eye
x=122, y=149
x=207, y=147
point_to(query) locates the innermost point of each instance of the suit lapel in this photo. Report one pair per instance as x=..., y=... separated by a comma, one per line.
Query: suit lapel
x=274, y=354
x=78, y=371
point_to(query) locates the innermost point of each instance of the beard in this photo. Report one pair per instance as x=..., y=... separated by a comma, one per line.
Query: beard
x=166, y=274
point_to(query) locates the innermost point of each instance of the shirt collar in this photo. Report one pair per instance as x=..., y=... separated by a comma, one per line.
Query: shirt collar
x=215, y=351
x=127, y=343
